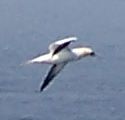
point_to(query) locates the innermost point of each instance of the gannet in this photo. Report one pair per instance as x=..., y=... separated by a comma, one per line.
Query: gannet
x=60, y=54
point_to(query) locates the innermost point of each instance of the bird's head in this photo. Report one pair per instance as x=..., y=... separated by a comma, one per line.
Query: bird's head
x=88, y=52
x=84, y=51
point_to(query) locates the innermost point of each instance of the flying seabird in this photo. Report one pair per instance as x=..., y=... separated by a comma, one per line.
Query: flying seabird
x=60, y=54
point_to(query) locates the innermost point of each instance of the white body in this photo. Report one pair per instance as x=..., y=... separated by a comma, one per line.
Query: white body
x=65, y=55
x=60, y=54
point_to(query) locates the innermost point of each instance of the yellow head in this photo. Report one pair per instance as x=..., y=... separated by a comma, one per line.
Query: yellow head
x=83, y=51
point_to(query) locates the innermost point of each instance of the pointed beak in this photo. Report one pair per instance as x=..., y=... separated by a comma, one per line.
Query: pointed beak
x=92, y=54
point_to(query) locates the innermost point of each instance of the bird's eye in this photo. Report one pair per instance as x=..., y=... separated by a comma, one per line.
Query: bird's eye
x=92, y=53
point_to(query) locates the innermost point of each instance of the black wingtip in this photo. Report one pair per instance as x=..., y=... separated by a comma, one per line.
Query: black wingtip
x=41, y=89
x=44, y=85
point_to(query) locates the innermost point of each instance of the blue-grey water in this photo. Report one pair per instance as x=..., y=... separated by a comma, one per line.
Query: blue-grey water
x=90, y=89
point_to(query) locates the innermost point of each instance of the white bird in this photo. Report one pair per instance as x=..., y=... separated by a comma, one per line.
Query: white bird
x=60, y=54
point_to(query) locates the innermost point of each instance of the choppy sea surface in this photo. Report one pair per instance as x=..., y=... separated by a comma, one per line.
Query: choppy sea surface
x=90, y=89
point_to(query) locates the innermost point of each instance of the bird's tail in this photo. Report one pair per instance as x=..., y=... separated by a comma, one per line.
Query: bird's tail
x=29, y=62
x=40, y=59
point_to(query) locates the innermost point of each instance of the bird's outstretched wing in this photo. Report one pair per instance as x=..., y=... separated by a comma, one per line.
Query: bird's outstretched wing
x=55, y=69
x=61, y=44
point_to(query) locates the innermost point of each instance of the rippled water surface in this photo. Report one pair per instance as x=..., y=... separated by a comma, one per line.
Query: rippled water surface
x=90, y=89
